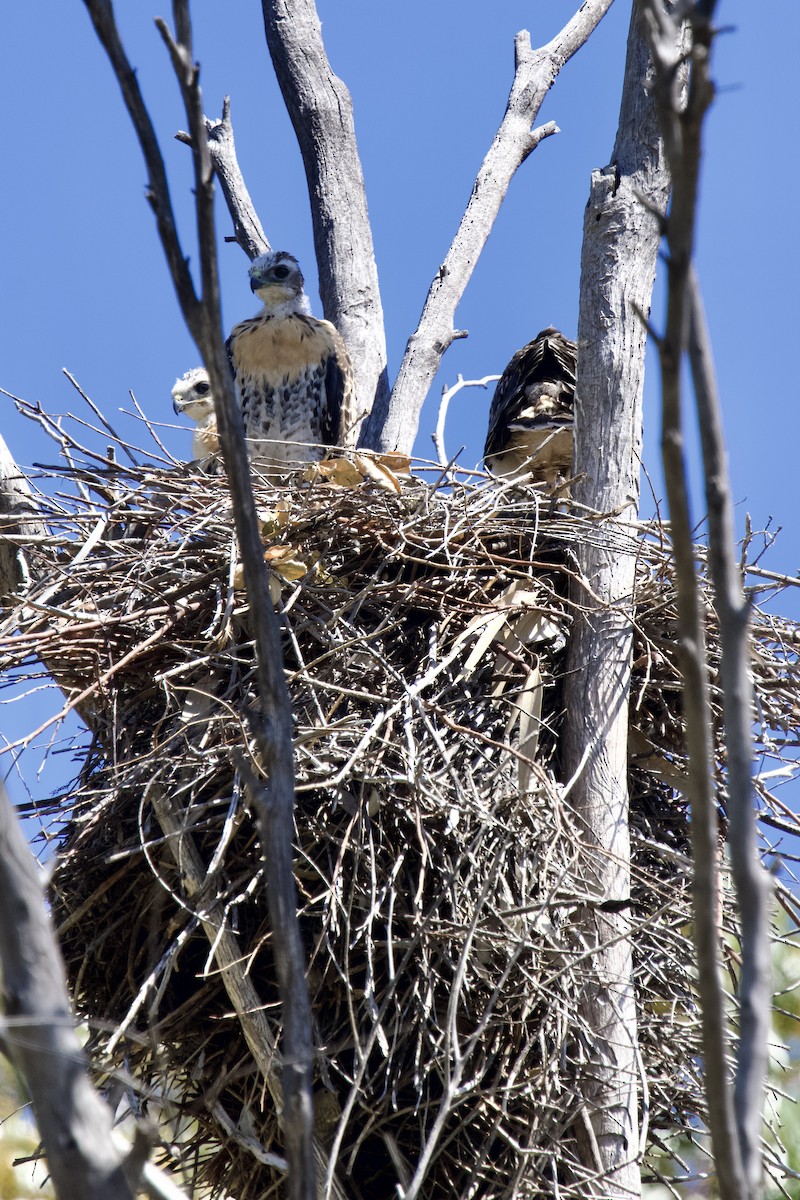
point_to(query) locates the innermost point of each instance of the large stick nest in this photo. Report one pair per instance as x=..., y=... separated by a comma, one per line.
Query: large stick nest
x=444, y=886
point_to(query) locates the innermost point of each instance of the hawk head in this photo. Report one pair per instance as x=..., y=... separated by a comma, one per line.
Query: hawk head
x=277, y=280
x=192, y=395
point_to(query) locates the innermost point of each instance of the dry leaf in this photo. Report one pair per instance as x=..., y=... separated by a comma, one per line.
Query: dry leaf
x=340, y=471
x=284, y=561
x=400, y=464
x=273, y=519
x=373, y=469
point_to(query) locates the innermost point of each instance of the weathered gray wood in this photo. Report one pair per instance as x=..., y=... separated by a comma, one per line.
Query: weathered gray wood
x=271, y=728
x=734, y=1121
x=394, y=426
x=618, y=263
x=39, y=1036
x=751, y=881
x=20, y=525
x=247, y=228
x=321, y=112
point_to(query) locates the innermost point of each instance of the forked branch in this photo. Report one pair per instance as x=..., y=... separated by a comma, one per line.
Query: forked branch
x=735, y=1126
x=271, y=729
x=393, y=425
x=247, y=228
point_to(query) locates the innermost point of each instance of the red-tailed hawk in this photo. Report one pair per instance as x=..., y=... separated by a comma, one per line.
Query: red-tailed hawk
x=531, y=417
x=192, y=396
x=292, y=372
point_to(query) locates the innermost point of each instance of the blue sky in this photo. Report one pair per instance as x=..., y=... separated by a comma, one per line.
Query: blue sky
x=86, y=287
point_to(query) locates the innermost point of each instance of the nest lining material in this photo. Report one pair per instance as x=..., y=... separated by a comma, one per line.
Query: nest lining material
x=424, y=636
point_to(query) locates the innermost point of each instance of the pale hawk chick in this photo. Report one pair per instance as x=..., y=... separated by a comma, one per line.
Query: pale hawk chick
x=192, y=396
x=293, y=376
x=532, y=412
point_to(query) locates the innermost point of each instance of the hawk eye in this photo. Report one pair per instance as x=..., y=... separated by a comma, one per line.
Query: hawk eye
x=281, y=272
x=202, y=389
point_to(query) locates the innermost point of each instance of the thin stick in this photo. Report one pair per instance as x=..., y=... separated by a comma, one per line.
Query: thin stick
x=750, y=879
x=447, y=395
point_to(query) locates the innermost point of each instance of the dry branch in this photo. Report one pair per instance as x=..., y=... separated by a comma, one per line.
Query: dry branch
x=750, y=880
x=735, y=1128
x=321, y=112
x=39, y=1037
x=247, y=227
x=444, y=404
x=271, y=727
x=248, y=231
x=620, y=246
x=393, y=425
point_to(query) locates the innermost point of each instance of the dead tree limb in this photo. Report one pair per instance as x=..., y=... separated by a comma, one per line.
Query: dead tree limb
x=393, y=426
x=39, y=1037
x=620, y=248
x=321, y=112
x=247, y=228
x=750, y=880
x=271, y=729
x=734, y=1129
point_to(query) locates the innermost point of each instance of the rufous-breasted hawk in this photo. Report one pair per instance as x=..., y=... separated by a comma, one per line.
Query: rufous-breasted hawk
x=293, y=376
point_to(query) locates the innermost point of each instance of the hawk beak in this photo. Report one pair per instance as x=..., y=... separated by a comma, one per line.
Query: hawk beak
x=257, y=281
x=177, y=406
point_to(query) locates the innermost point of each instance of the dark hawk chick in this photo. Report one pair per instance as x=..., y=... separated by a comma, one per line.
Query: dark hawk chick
x=292, y=373
x=532, y=412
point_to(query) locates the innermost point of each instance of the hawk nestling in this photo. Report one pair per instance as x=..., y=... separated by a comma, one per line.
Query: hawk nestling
x=192, y=395
x=292, y=372
x=532, y=412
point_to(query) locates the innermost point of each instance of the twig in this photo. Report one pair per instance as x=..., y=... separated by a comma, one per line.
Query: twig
x=681, y=128
x=393, y=425
x=272, y=729
x=39, y=1037
x=447, y=396
x=101, y=418
x=750, y=879
x=321, y=112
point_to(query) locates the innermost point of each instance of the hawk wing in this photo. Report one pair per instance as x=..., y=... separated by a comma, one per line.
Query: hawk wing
x=532, y=412
x=338, y=411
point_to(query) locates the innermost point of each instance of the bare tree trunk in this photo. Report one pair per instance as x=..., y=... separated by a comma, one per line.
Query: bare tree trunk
x=321, y=111
x=20, y=525
x=620, y=247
